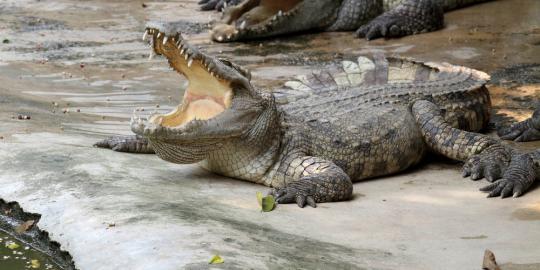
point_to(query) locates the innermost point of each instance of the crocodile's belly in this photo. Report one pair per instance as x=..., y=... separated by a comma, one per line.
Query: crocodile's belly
x=375, y=142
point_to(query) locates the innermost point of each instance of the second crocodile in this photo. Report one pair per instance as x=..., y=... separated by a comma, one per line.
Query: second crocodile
x=253, y=19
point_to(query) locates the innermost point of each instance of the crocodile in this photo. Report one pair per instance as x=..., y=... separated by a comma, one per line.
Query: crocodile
x=253, y=19
x=312, y=138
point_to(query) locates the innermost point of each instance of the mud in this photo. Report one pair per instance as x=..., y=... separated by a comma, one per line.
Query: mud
x=529, y=213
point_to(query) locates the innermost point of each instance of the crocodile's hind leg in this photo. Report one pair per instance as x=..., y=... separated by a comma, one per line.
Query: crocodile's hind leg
x=355, y=13
x=130, y=144
x=484, y=156
x=408, y=18
x=318, y=181
x=528, y=130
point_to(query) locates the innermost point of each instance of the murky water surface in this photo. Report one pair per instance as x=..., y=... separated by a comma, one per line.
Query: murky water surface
x=16, y=255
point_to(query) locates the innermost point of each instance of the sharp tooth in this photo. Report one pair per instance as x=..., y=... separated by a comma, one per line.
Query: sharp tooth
x=212, y=73
x=145, y=35
x=220, y=38
x=159, y=35
x=280, y=13
x=186, y=56
x=165, y=40
x=243, y=25
x=229, y=36
x=183, y=50
x=190, y=62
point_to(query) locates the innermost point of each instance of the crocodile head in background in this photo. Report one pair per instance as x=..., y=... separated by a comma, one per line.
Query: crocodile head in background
x=219, y=103
x=263, y=18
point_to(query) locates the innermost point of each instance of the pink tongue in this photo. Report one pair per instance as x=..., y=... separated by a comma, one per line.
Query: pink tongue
x=191, y=97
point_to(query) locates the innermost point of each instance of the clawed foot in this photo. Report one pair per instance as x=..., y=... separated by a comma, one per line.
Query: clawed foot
x=131, y=144
x=490, y=163
x=511, y=173
x=411, y=17
x=380, y=27
x=218, y=5
x=517, y=179
x=528, y=130
x=300, y=191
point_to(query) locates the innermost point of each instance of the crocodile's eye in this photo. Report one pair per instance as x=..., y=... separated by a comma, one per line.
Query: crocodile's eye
x=238, y=68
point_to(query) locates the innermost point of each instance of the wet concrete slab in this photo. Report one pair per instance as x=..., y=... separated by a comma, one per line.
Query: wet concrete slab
x=79, y=69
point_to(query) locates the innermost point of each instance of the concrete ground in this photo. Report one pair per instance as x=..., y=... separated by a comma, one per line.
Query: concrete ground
x=79, y=68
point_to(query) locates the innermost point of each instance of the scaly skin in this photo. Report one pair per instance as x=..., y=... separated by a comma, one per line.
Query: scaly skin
x=253, y=19
x=312, y=139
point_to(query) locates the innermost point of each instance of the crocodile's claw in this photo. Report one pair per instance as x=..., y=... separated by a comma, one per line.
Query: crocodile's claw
x=300, y=191
x=528, y=130
x=519, y=176
x=380, y=27
x=410, y=17
x=490, y=163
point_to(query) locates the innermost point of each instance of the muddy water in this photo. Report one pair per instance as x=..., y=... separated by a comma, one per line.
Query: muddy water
x=16, y=255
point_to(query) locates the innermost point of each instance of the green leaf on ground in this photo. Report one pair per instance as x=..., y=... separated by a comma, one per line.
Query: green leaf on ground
x=259, y=197
x=12, y=245
x=216, y=260
x=35, y=264
x=268, y=203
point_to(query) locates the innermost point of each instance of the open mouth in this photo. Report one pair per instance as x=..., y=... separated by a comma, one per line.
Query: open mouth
x=208, y=93
x=253, y=16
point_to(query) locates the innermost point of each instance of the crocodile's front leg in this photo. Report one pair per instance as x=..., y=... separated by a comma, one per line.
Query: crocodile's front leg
x=524, y=131
x=408, y=18
x=484, y=156
x=131, y=144
x=319, y=181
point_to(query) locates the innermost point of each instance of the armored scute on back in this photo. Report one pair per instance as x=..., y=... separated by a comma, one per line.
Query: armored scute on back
x=310, y=140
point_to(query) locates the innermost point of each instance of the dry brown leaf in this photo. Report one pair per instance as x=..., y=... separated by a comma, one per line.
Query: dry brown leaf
x=489, y=261
x=25, y=226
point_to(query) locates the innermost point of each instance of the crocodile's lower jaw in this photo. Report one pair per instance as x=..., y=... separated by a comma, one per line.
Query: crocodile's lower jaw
x=207, y=94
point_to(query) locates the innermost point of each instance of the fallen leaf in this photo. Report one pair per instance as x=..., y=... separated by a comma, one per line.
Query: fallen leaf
x=25, y=226
x=268, y=203
x=216, y=260
x=35, y=264
x=12, y=245
x=259, y=198
x=489, y=262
